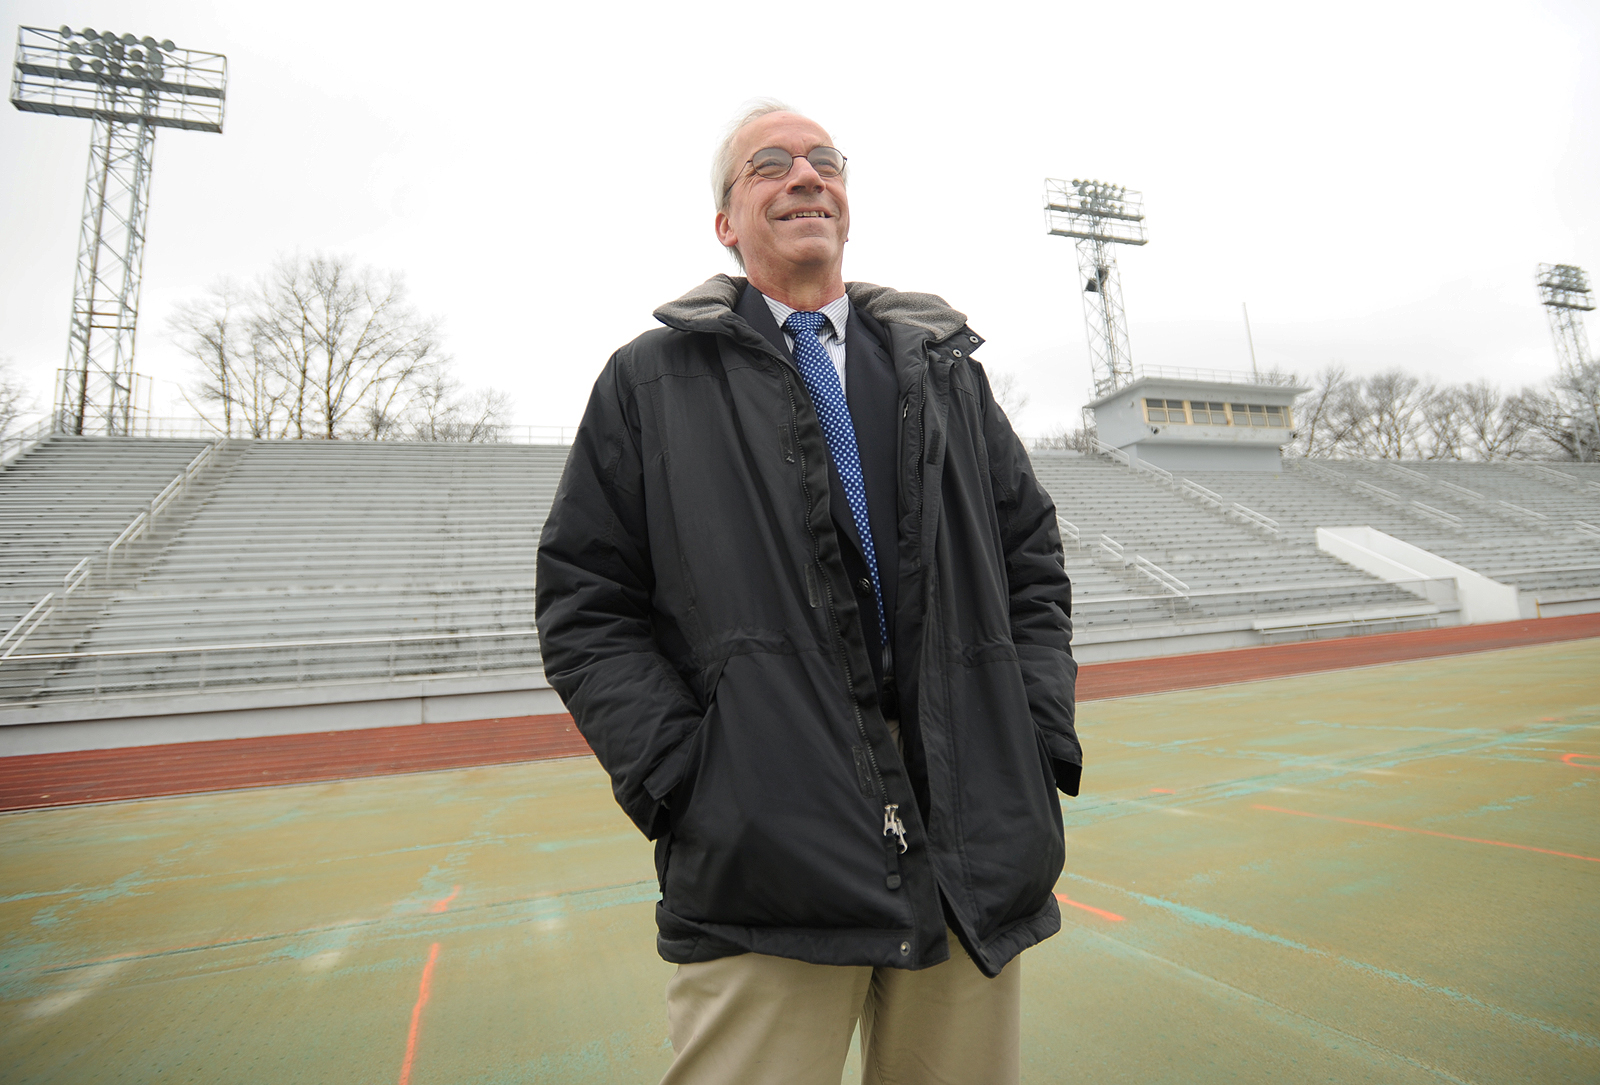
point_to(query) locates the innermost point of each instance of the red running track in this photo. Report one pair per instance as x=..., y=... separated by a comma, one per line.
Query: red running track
x=137, y=772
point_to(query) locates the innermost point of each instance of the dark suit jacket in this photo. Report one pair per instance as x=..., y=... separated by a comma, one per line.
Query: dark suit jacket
x=871, y=392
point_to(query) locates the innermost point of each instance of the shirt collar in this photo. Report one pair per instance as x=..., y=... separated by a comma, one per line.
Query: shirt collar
x=837, y=312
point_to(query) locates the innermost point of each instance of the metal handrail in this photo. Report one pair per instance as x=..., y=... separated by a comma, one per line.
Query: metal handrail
x=1526, y=514
x=1204, y=493
x=1448, y=518
x=81, y=572
x=1110, y=546
x=1587, y=528
x=1069, y=530
x=1257, y=518
x=14, y=445
x=1107, y=450
x=47, y=605
x=1160, y=575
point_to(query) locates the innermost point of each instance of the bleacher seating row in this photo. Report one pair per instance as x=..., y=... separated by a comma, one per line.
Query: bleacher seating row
x=296, y=562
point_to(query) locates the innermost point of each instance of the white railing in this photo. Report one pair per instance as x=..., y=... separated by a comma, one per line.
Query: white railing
x=1160, y=575
x=1110, y=451
x=13, y=445
x=1112, y=547
x=19, y=632
x=205, y=429
x=1069, y=530
x=1204, y=494
x=1587, y=529
x=1524, y=514
x=1550, y=474
x=1449, y=519
x=81, y=572
x=1216, y=376
x=172, y=669
x=1261, y=520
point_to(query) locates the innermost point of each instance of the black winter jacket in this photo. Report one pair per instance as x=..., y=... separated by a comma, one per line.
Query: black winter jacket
x=697, y=619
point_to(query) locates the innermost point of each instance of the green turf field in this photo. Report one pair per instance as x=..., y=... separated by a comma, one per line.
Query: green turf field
x=1388, y=875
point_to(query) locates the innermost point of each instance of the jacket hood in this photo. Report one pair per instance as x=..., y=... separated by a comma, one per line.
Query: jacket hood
x=708, y=305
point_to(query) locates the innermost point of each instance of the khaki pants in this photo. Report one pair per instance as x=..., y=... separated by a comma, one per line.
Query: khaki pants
x=759, y=1020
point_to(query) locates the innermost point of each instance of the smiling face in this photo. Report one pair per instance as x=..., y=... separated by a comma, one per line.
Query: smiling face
x=790, y=230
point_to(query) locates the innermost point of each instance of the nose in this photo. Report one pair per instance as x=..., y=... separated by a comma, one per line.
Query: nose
x=803, y=176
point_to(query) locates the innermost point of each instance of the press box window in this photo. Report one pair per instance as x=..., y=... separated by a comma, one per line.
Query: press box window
x=1209, y=414
x=1257, y=414
x=1165, y=410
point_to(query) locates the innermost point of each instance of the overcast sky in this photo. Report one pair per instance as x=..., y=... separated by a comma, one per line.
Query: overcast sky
x=1378, y=181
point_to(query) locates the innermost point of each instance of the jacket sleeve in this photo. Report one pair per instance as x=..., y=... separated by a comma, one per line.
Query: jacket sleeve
x=595, y=586
x=1041, y=593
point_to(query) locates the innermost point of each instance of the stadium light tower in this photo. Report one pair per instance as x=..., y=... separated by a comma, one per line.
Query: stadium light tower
x=1565, y=294
x=1099, y=215
x=128, y=86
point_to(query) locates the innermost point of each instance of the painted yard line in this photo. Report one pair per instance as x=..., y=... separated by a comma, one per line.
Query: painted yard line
x=423, y=990
x=1113, y=916
x=1209, y=920
x=442, y=905
x=404, y=926
x=1426, y=832
x=1573, y=759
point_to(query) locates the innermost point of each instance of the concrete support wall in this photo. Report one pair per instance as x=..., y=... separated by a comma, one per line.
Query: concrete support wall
x=1392, y=559
x=137, y=725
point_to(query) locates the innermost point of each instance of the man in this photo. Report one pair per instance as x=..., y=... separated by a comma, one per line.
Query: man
x=805, y=599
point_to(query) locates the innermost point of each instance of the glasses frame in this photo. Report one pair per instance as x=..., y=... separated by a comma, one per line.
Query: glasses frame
x=749, y=163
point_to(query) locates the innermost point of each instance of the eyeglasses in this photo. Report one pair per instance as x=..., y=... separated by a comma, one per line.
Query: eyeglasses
x=775, y=162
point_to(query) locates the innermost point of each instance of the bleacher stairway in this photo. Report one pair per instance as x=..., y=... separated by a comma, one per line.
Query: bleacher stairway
x=365, y=584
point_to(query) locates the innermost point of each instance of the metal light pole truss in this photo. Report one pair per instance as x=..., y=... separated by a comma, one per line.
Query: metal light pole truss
x=1565, y=294
x=128, y=86
x=1099, y=215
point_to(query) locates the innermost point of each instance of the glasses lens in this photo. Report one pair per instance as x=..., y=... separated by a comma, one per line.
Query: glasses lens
x=771, y=162
x=827, y=161
x=774, y=162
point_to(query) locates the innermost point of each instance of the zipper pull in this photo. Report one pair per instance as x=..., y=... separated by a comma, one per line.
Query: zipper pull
x=893, y=824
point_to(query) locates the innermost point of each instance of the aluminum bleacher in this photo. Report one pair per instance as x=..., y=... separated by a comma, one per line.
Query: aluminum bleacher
x=304, y=573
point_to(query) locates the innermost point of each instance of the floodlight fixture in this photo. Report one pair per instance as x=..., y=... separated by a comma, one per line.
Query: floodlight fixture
x=1564, y=292
x=127, y=92
x=1097, y=215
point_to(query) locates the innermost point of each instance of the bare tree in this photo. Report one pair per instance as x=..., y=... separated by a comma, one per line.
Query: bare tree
x=1008, y=392
x=1444, y=422
x=217, y=332
x=321, y=348
x=14, y=399
x=347, y=343
x=1383, y=414
x=1317, y=433
x=439, y=412
x=1495, y=428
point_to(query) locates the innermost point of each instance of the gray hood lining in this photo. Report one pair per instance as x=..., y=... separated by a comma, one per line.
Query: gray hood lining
x=713, y=300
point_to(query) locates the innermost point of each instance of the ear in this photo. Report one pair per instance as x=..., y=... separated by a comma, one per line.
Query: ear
x=725, y=231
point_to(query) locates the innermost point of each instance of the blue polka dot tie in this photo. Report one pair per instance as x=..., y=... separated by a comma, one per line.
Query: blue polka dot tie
x=822, y=381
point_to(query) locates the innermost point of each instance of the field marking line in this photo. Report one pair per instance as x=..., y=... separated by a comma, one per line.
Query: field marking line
x=1113, y=916
x=444, y=903
x=1425, y=832
x=1572, y=759
x=424, y=989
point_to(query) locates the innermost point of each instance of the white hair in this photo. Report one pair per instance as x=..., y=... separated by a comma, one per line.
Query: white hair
x=723, y=166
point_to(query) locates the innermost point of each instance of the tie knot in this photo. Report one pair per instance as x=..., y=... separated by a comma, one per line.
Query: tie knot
x=810, y=323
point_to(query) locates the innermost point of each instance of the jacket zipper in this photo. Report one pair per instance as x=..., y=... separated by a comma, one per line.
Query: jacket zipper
x=894, y=830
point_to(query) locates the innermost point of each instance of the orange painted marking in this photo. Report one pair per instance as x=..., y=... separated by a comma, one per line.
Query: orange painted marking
x=1113, y=916
x=423, y=990
x=1162, y=791
x=1429, y=832
x=1572, y=759
x=441, y=905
